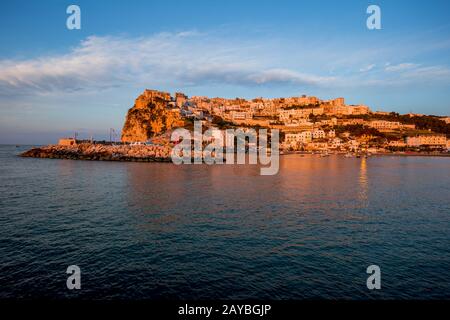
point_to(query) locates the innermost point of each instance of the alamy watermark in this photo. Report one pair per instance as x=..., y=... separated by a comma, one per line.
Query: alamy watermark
x=73, y=21
x=230, y=146
x=74, y=280
x=373, y=22
x=374, y=280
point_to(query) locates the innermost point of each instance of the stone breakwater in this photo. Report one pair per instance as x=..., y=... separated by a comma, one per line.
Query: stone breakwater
x=88, y=151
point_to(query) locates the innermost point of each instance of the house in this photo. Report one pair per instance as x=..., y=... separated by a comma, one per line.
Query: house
x=240, y=115
x=67, y=142
x=318, y=134
x=302, y=124
x=296, y=138
x=298, y=113
x=383, y=125
x=436, y=140
x=358, y=109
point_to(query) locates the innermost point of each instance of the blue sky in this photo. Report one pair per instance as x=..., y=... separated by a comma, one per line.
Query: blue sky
x=54, y=81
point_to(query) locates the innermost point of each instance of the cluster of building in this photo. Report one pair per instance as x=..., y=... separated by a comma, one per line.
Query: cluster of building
x=430, y=140
x=307, y=122
x=261, y=110
x=325, y=141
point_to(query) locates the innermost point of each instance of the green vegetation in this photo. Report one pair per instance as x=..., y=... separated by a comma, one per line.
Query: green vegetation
x=432, y=123
x=306, y=106
x=358, y=130
x=221, y=123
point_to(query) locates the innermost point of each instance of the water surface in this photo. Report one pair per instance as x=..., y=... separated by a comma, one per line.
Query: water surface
x=160, y=231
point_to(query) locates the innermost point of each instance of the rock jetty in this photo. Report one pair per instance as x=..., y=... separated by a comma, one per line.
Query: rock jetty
x=91, y=151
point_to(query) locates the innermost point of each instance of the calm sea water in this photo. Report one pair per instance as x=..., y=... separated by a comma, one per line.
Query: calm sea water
x=150, y=230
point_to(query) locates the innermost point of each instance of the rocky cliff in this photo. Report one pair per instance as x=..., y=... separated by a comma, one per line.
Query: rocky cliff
x=151, y=115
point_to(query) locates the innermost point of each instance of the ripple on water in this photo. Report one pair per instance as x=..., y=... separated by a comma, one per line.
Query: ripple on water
x=149, y=230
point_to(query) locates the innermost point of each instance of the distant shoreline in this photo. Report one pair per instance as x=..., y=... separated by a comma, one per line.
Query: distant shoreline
x=156, y=153
x=409, y=154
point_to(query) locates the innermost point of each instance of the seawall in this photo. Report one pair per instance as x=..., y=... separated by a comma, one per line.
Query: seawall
x=91, y=151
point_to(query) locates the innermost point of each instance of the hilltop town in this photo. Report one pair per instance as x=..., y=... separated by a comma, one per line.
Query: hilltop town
x=306, y=123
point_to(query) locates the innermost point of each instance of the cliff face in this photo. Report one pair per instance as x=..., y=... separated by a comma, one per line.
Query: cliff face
x=150, y=116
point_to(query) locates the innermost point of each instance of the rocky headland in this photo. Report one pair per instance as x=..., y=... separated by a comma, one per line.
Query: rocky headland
x=151, y=117
x=152, y=114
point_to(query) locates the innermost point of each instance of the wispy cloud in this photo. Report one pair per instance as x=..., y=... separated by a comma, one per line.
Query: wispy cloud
x=408, y=73
x=367, y=68
x=400, y=67
x=190, y=58
x=193, y=58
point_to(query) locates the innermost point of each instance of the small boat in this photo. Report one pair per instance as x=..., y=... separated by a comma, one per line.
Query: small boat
x=348, y=155
x=324, y=154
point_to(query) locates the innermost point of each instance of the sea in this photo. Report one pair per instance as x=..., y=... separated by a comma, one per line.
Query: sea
x=140, y=231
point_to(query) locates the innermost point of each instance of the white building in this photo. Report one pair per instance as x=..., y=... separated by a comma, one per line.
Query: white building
x=318, y=134
x=384, y=125
x=299, y=113
x=358, y=109
x=302, y=123
x=240, y=115
x=437, y=140
x=296, y=138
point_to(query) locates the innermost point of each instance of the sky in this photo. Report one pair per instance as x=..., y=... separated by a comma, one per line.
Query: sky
x=55, y=81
